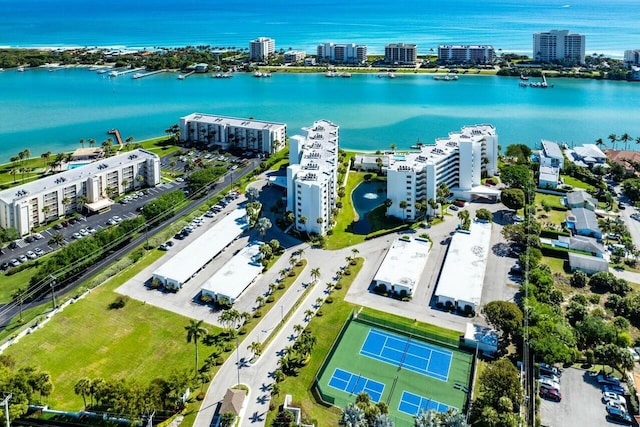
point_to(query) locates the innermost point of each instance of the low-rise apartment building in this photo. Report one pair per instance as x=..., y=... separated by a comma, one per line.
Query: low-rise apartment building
x=466, y=54
x=30, y=205
x=232, y=132
x=293, y=56
x=459, y=160
x=312, y=177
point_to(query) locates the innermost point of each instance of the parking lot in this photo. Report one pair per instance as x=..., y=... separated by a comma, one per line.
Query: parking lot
x=581, y=403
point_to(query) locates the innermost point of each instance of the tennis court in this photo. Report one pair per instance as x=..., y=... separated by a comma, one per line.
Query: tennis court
x=397, y=368
x=407, y=354
x=412, y=404
x=354, y=384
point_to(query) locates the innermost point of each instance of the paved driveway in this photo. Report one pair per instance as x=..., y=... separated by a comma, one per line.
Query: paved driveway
x=580, y=405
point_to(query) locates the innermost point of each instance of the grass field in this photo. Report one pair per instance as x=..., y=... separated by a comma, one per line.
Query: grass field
x=347, y=357
x=576, y=183
x=88, y=339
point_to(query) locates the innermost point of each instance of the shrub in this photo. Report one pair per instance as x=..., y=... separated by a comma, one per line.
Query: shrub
x=206, y=298
x=319, y=313
x=291, y=273
x=347, y=272
x=281, y=285
x=338, y=286
x=328, y=300
x=242, y=331
x=257, y=314
x=119, y=302
x=219, y=360
x=270, y=299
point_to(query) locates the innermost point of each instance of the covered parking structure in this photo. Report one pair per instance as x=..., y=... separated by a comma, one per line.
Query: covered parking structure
x=185, y=264
x=402, y=267
x=228, y=283
x=462, y=276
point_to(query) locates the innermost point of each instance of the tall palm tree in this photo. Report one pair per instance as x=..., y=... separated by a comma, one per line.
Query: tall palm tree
x=262, y=225
x=81, y=200
x=65, y=203
x=195, y=331
x=45, y=156
x=638, y=140
x=403, y=205
x=454, y=418
x=355, y=252
x=308, y=314
x=297, y=328
x=92, y=142
x=427, y=419
x=260, y=301
x=82, y=388
x=625, y=138
x=315, y=274
x=614, y=138
x=82, y=142
x=302, y=220
x=256, y=348
x=382, y=420
x=353, y=416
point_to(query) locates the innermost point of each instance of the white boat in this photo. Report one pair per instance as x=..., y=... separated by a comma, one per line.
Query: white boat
x=257, y=74
x=446, y=78
x=180, y=77
x=345, y=75
x=1, y=69
x=113, y=74
x=102, y=71
x=330, y=74
x=21, y=69
x=138, y=75
x=391, y=76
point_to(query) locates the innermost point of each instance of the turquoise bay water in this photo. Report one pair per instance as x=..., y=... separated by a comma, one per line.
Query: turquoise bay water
x=43, y=110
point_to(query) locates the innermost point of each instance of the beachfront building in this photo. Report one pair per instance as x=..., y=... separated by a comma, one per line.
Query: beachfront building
x=232, y=132
x=632, y=57
x=312, y=177
x=459, y=160
x=293, y=56
x=333, y=53
x=559, y=46
x=402, y=267
x=38, y=202
x=261, y=48
x=586, y=156
x=466, y=54
x=401, y=54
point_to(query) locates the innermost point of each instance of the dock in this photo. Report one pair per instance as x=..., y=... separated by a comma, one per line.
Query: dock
x=123, y=72
x=150, y=73
x=116, y=132
x=184, y=76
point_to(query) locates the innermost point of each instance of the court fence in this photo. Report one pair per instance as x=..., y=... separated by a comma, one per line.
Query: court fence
x=316, y=383
x=405, y=329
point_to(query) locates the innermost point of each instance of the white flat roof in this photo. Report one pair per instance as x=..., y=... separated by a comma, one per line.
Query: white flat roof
x=463, y=272
x=189, y=260
x=404, y=262
x=232, y=121
x=238, y=273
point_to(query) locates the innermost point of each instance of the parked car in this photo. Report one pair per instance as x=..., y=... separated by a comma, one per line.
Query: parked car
x=163, y=247
x=618, y=416
x=91, y=230
x=169, y=243
x=550, y=394
x=179, y=236
x=210, y=214
x=516, y=270
x=613, y=389
x=77, y=236
x=608, y=380
x=454, y=208
x=611, y=405
x=518, y=218
x=544, y=368
x=38, y=236
x=58, y=226
x=22, y=258
x=5, y=266
x=549, y=384
x=608, y=396
x=38, y=251
x=31, y=255
x=83, y=232
x=14, y=262
x=551, y=377
x=13, y=245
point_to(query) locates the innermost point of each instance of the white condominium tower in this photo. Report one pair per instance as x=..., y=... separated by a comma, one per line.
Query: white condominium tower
x=261, y=48
x=558, y=45
x=312, y=176
x=231, y=132
x=401, y=54
x=458, y=160
x=342, y=53
x=461, y=54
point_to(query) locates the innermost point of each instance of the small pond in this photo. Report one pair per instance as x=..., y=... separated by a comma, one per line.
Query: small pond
x=366, y=197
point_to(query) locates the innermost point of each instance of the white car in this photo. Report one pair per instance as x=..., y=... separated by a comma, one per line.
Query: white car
x=31, y=255
x=91, y=230
x=546, y=382
x=111, y=221
x=616, y=405
x=608, y=396
x=38, y=251
x=116, y=218
x=38, y=236
x=77, y=236
x=83, y=232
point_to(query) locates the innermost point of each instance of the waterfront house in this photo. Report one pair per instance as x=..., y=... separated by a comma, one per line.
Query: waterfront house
x=587, y=156
x=580, y=199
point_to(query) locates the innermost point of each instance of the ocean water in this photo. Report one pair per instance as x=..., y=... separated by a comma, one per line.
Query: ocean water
x=45, y=111
x=52, y=111
x=610, y=26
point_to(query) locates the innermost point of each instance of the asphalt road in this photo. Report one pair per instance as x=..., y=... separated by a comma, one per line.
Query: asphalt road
x=8, y=311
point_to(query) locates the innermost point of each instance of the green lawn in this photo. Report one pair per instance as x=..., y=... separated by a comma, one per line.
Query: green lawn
x=576, y=183
x=88, y=339
x=554, y=202
x=10, y=284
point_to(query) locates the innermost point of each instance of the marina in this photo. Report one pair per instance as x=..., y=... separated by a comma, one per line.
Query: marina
x=116, y=73
x=150, y=73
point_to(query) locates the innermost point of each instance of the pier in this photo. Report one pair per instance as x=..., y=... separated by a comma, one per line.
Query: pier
x=184, y=76
x=116, y=132
x=123, y=72
x=150, y=73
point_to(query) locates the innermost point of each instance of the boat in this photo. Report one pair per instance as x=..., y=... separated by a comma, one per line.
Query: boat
x=391, y=76
x=524, y=77
x=345, y=75
x=180, y=77
x=138, y=75
x=446, y=78
x=257, y=74
x=113, y=74
x=102, y=70
x=1, y=69
x=330, y=74
x=21, y=69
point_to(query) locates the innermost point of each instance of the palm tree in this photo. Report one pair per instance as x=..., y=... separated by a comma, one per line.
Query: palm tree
x=625, y=138
x=125, y=184
x=256, y=348
x=319, y=221
x=45, y=156
x=45, y=211
x=275, y=389
x=315, y=274
x=403, y=205
x=393, y=147
x=82, y=142
x=353, y=416
x=13, y=172
x=308, y=314
x=355, y=252
x=454, y=418
x=195, y=331
x=427, y=419
x=614, y=138
x=272, y=288
x=300, y=252
x=278, y=376
x=302, y=220
x=297, y=328
x=92, y=142
x=638, y=140
x=382, y=420
x=262, y=225
x=65, y=203
x=260, y=301
x=387, y=204
x=319, y=301
x=82, y=388
x=81, y=201
x=56, y=239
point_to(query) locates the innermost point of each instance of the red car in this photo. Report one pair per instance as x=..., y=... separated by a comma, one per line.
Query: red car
x=551, y=394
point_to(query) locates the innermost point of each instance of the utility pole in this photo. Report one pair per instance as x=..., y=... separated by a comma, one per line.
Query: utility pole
x=52, y=284
x=5, y=402
x=238, y=358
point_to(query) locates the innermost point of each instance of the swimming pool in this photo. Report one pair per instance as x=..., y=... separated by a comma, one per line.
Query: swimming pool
x=76, y=165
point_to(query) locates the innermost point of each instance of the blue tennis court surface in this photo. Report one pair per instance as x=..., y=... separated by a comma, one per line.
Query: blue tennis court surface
x=412, y=404
x=354, y=384
x=405, y=353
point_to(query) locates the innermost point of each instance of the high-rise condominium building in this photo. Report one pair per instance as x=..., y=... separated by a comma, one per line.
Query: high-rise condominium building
x=458, y=161
x=464, y=54
x=261, y=48
x=558, y=46
x=231, y=132
x=312, y=177
x=632, y=57
x=401, y=54
x=342, y=53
